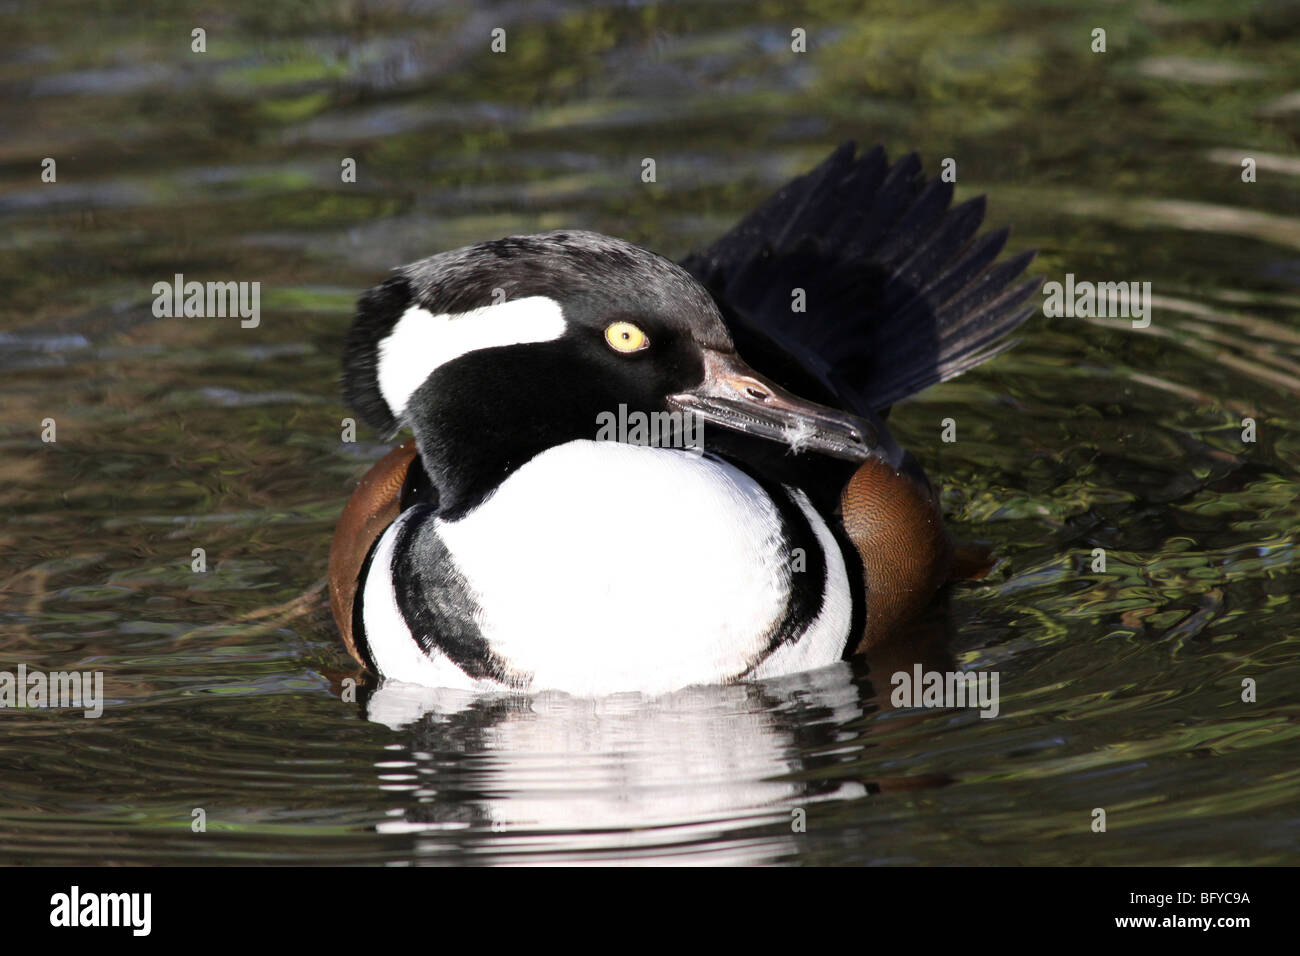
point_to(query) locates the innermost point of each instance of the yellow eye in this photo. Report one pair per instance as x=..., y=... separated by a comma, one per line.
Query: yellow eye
x=626, y=337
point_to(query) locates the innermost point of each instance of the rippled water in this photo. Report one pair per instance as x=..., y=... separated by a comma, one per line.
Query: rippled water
x=1120, y=689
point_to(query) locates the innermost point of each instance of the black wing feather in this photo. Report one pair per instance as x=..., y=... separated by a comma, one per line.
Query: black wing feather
x=900, y=293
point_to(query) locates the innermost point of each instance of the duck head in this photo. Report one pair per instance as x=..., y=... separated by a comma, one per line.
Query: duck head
x=494, y=353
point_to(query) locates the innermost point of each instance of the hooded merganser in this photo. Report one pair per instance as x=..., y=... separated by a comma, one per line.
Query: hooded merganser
x=505, y=547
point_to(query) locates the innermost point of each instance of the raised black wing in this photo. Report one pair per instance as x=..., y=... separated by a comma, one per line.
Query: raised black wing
x=899, y=292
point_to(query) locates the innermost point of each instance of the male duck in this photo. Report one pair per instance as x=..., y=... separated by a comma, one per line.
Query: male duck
x=507, y=546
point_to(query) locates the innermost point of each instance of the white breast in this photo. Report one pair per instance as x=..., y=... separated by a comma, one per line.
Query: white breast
x=602, y=567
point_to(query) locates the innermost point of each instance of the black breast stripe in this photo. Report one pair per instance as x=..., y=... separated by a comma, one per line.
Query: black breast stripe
x=358, y=611
x=808, y=587
x=857, y=592
x=438, y=605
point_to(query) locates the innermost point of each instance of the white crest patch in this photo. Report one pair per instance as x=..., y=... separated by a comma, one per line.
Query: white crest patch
x=421, y=342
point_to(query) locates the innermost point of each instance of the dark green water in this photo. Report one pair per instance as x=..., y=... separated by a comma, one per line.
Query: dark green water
x=1119, y=689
